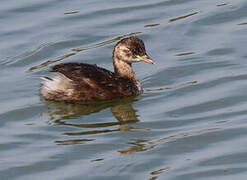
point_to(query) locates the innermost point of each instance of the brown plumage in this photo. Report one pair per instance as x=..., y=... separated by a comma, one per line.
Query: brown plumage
x=86, y=82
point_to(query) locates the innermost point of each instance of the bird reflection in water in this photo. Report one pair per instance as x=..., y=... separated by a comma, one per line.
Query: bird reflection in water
x=62, y=113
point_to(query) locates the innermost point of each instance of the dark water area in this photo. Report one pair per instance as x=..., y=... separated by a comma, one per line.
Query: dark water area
x=190, y=122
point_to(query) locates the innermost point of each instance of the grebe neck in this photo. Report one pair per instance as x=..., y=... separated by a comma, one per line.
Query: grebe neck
x=125, y=70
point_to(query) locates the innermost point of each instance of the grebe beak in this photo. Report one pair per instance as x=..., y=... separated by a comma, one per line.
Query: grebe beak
x=146, y=59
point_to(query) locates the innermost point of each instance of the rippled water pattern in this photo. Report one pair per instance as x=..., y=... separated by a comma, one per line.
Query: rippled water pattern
x=190, y=123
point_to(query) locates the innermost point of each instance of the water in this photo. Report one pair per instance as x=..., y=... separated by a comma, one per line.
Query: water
x=190, y=123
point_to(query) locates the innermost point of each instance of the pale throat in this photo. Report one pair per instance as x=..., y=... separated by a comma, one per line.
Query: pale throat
x=124, y=69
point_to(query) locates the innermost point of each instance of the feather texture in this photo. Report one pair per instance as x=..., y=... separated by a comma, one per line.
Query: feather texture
x=85, y=82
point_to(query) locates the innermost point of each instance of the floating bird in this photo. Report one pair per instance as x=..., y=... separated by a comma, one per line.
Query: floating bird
x=86, y=82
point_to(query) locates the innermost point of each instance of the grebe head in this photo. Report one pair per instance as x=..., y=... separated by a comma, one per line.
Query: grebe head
x=131, y=49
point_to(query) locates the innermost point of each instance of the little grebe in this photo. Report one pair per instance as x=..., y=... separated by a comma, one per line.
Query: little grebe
x=86, y=82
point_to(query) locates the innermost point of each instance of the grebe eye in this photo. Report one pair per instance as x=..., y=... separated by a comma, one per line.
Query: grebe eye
x=126, y=51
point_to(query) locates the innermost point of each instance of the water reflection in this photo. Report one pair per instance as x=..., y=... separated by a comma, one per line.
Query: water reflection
x=122, y=110
x=151, y=25
x=147, y=144
x=222, y=4
x=71, y=12
x=183, y=17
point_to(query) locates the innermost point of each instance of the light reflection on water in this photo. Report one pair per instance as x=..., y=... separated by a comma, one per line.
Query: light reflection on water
x=190, y=123
x=123, y=111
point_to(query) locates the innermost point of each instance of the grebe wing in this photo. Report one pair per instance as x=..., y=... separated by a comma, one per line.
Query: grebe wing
x=76, y=71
